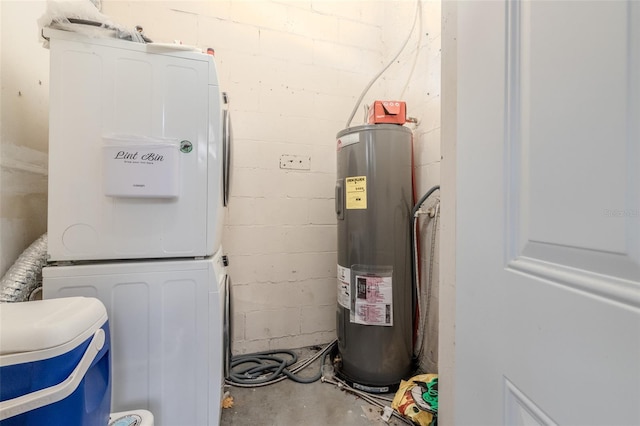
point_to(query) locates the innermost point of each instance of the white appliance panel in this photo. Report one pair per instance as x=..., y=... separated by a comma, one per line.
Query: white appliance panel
x=166, y=332
x=106, y=88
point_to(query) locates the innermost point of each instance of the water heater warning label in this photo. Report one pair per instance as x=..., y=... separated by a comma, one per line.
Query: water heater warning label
x=344, y=287
x=356, y=192
x=373, y=300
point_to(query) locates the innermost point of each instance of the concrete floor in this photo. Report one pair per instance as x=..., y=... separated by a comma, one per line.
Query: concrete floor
x=288, y=403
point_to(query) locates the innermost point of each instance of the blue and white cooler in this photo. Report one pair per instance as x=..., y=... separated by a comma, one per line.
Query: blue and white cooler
x=54, y=363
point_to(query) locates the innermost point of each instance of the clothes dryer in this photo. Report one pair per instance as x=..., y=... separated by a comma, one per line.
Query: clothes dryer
x=136, y=153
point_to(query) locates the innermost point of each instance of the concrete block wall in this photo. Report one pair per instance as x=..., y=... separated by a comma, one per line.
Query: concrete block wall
x=293, y=70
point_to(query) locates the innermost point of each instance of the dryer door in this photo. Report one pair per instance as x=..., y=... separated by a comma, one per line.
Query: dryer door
x=227, y=139
x=227, y=331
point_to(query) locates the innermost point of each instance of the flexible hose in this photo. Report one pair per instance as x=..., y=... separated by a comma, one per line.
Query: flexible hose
x=269, y=367
x=375, y=78
x=425, y=293
x=414, y=245
x=24, y=277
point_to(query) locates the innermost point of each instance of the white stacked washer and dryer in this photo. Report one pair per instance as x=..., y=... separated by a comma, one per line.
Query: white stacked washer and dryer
x=138, y=180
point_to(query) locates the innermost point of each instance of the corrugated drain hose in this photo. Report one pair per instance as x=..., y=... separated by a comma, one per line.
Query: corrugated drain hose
x=24, y=277
x=269, y=367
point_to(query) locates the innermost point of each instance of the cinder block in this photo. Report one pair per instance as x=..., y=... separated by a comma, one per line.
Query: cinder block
x=332, y=107
x=431, y=142
x=324, y=153
x=304, y=129
x=248, y=153
x=324, y=183
x=241, y=67
x=263, y=14
x=242, y=211
x=302, y=340
x=285, y=100
x=346, y=9
x=282, y=45
x=256, y=239
x=272, y=323
x=318, y=292
x=372, y=14
x=259, y=126
x=313, y=78
x=318, y=319
x=220, y=33
x=238, y=327
x=338, y=56
x=256, y=183
x=268, y=296
x=311, y=238
x=312, y=265
x=283, y=211
x=313, y=25
x=242, y=97
x=358, y=34
x=241, y=267
x=250, y=346
x=427, y=176
x=431, y=119
x=322, y=211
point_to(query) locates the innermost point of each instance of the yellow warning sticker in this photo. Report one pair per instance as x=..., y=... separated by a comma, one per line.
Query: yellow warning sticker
x=356, y=192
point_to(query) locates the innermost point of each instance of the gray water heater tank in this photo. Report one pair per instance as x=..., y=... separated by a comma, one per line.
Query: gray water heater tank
x=375, y=302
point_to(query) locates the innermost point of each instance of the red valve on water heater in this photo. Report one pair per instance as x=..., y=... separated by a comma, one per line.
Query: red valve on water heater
x=390, y=112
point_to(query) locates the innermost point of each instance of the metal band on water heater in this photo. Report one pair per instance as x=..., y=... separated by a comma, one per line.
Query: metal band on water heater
x=373, y=207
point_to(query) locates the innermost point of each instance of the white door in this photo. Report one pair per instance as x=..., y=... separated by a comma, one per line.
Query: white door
x=548, y=213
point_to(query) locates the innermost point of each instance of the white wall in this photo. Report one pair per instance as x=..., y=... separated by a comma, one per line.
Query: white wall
x=24, y=110
x=293, y=70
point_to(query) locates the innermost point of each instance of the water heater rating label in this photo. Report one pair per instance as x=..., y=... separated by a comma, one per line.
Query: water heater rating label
x=356, y=192
x=373, y=300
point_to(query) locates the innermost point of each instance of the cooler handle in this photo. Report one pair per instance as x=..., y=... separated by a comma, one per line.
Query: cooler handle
x=53, y=394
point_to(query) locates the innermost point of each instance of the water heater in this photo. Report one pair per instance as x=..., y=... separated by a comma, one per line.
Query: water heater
x=375, y=303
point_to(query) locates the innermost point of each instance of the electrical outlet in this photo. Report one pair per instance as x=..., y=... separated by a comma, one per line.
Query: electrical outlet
x=295, y=162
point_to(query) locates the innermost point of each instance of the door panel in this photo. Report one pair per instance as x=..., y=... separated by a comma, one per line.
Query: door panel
x=548, y=218
x=561, y=165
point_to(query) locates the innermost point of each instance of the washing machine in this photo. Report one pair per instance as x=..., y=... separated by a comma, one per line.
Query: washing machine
x=168, y=332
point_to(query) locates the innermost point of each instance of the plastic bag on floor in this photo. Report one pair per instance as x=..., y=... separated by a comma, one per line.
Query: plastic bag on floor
x=417, y=399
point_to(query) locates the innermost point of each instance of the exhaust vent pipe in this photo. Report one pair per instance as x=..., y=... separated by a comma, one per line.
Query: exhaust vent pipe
x=23, y=281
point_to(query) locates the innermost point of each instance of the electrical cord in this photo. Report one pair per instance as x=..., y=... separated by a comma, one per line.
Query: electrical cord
x=415, y=57
x=375, y=78
x=269, y=367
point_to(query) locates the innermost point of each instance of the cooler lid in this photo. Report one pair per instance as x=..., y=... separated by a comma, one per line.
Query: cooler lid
x=45, y=324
